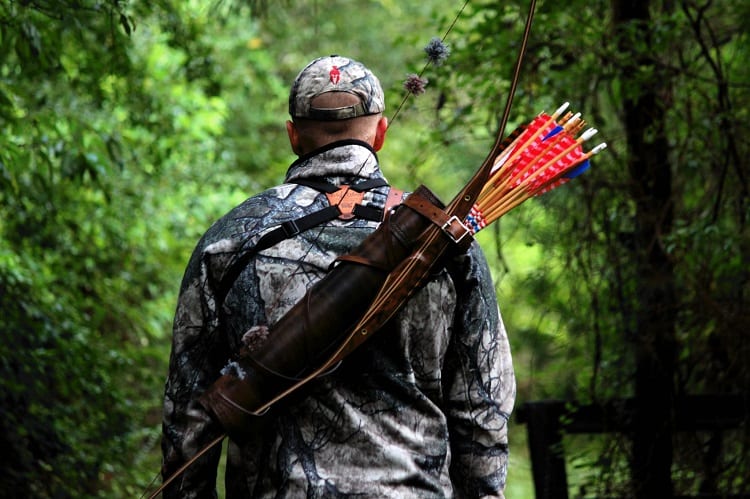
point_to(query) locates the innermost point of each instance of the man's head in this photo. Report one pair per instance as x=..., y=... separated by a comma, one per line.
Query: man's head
x=335, y=98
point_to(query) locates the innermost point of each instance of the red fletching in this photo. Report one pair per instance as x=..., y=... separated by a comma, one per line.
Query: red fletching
x=545, y=155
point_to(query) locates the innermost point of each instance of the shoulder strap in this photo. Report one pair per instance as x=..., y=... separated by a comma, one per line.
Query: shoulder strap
x=342, y=205
x=291, y=228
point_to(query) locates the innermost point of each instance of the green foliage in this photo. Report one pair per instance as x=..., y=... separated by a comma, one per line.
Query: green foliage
x=577, y=304
x=128, y=127
x=96, y=126
x=52, y=372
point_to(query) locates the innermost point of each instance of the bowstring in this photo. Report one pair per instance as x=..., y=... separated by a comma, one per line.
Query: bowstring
x=429, y=62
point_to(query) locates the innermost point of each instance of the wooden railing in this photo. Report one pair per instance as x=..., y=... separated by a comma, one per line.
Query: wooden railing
x=548, y=420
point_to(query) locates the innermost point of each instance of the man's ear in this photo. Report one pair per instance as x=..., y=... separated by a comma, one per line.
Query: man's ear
x=380, y=131
x=291, y=130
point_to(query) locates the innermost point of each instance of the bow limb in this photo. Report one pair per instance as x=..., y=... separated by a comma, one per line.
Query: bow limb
x=185, y=466
x=463, y=201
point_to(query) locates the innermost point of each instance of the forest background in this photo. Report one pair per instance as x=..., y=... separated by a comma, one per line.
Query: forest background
x=128, y=127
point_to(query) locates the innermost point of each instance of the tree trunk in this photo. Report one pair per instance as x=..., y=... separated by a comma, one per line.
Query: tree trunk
x=644, y=111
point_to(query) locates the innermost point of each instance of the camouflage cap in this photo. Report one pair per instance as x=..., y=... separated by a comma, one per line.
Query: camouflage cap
x=335, y=74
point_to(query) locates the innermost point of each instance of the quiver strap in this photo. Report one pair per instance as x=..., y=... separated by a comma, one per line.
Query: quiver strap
x=325, y=325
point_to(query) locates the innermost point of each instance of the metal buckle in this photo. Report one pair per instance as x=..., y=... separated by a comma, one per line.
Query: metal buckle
x=449, y=223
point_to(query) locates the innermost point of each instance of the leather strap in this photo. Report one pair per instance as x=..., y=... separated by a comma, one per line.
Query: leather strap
x=450, y=225
x=395, y=197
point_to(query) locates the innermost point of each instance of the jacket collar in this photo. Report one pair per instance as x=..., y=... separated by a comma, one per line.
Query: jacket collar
x=346, y=160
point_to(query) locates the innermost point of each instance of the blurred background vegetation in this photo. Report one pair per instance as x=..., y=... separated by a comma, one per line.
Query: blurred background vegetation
x=128, y=127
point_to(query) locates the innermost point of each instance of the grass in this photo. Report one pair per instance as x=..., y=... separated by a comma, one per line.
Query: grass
x=520, y=484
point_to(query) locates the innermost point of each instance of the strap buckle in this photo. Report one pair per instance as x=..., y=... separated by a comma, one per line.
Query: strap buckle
x=455, y=229
x=291, y=228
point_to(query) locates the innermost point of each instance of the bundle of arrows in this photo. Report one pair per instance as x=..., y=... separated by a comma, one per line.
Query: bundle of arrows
x=547, y=153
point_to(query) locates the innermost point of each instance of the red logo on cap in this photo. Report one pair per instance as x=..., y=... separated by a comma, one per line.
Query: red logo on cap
x=334, y=75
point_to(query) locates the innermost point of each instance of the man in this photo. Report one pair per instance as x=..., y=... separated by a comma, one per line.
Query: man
x=420, y=410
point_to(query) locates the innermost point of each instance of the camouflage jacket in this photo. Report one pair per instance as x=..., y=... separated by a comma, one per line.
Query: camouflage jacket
x=420, y=410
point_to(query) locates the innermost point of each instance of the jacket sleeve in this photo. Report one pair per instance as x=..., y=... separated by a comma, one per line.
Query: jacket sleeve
x=479, y=383
x=198, y=354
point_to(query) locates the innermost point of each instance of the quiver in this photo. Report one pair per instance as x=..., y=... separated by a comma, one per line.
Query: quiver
x=326, y=324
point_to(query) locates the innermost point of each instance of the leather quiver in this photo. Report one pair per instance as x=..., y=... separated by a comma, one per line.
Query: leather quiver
x=312, y=332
